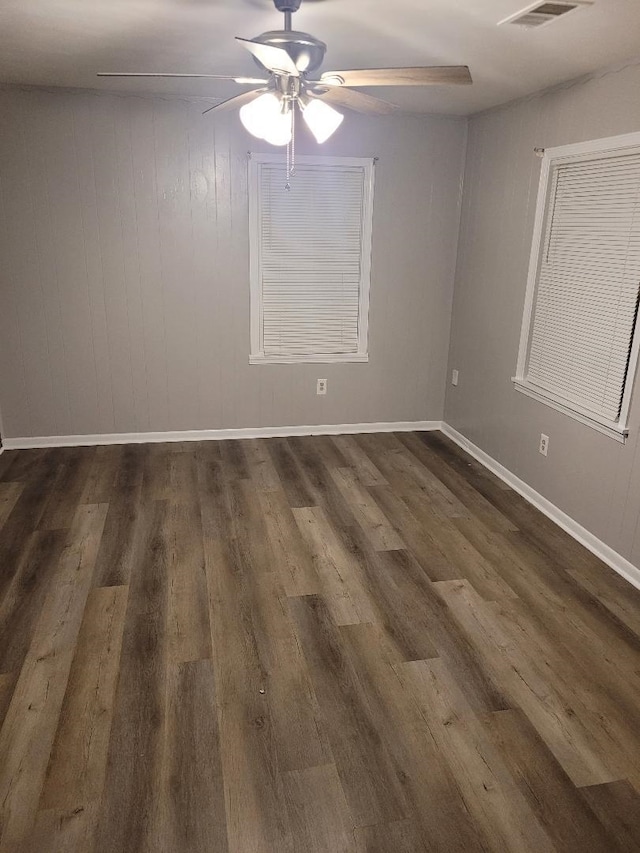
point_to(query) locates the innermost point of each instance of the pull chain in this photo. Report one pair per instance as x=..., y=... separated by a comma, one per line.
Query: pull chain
x=291, y=149
x=287, y=185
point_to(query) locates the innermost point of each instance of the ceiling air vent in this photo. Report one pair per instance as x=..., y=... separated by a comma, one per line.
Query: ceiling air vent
x=542, y=13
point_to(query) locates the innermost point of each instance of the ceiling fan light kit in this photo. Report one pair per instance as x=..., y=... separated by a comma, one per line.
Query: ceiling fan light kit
x=290, y=58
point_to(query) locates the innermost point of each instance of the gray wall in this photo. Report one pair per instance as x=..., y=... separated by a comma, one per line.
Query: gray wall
x=590, y=476
x=124, y=294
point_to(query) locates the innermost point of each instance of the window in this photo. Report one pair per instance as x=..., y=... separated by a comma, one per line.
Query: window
x=310, y=259
x=579, y=347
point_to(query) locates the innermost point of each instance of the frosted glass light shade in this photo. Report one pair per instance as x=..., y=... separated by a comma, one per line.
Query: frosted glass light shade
x=264, y=118
x=322, y=120
x=280, y=129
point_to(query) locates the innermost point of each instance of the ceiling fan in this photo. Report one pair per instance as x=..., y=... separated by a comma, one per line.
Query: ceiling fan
x=291, y=58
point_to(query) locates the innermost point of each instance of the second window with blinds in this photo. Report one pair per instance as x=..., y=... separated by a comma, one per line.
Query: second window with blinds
x=310, y=248
x=579, y=341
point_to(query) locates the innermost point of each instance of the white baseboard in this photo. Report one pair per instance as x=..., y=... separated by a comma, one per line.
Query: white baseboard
x=29, y=443
x=612, y=558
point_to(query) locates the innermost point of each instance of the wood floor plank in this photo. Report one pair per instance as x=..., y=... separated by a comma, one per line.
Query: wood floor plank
x=188, y=631
x=456, y=458
x=409, y=477
x=183, y=477
x=318, y=813
x=366, y=769
x=6, y=460
x=247, y=529
x=612, y=592
x=578, y=623
x=317, y=458
x=260, y=669
x=25, y=517
x=323, y=449
x=254, y=794
x=261, y=467
x=617, y=805
x=130, y=813
x=22, y=465
x=192, y=770
x=376, y=443
x=558, y=804
x=25, y=741
x=291, y=555
x=103, y=471
x=234, y=462
x=402, y=836
x=62, y=830
x=156, y=480
x=444, y=636
x=119, y=549
x=585, y=621
x=488, y=789
x=211, y=485
x=390, y=579
x=574, y=654
x=438, y=808
x=528, y=686
x=73, y=473
x=291, y=476
x=456, y=480
x=9, y=494
x=381, y=534
x=26, y=593
x=469, y=562
x=340, y=579
x=75, y=774
x=8, y=682
x=536, y=526
x=29, y=727
x=612, y=723
x=359, y=460
x=418, y=540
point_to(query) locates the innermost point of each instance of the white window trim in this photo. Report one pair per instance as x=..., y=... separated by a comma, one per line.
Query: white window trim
x=552, y=156
x=257, y=355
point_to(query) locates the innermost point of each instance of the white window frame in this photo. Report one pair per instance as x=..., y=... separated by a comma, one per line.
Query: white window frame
x=257, y=355
x=552, y=157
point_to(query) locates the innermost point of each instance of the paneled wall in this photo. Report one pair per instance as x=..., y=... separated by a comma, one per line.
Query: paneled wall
x=124, y=284
x=590, y=476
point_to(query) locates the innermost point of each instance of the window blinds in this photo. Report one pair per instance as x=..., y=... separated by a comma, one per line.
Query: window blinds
x=310, y=245
x=588, y=283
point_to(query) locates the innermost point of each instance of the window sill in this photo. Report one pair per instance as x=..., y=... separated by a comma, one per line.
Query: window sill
x=612, y=430
x=327, y=358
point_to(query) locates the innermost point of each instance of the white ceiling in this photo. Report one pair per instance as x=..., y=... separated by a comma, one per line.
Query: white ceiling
x=64, y=43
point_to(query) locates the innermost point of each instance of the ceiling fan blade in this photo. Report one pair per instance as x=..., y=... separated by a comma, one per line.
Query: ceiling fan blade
x=436, y=75
x=274, y=58
x=244, y=81
x=342, y=97
x=236, y=101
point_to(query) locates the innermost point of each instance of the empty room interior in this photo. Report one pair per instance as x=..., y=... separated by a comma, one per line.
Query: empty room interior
x=320, y=426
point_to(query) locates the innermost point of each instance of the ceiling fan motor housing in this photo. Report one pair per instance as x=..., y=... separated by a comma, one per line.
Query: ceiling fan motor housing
x=306, y=50
x=287, y=5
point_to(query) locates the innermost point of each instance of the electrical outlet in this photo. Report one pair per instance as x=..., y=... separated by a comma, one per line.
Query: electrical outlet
x=321, y=387
x=544, y=444
x=454, y=377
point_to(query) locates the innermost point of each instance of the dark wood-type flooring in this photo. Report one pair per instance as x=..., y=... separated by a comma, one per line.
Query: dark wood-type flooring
x=338, y=644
